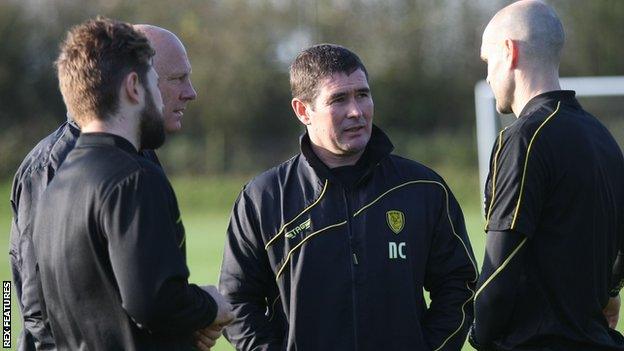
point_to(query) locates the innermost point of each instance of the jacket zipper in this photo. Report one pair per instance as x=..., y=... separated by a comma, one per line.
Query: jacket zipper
x=354, y=262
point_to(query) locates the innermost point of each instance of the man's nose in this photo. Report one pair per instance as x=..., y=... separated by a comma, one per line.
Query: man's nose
x=354, y=109
x=188, y=93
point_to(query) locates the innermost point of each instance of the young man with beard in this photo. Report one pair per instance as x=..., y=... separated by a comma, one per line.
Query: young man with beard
x=39, y=167
x=331, y=250
x=554, y=201
x=107, y=234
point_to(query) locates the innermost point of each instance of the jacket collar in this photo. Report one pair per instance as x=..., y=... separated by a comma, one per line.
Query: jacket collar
x=379, y=146
x=71, y=122
x=98, y=139
x=549, y=97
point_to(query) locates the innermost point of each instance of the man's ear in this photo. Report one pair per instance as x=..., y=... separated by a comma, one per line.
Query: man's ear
x=132, y=87
x=302, y=110
x=511, y=53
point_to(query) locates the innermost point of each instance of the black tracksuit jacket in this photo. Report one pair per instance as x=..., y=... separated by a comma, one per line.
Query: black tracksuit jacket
x=107, y=239
x=31, y=179
x=310, y=264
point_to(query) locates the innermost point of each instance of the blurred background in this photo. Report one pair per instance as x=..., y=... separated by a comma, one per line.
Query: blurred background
x=422, y=57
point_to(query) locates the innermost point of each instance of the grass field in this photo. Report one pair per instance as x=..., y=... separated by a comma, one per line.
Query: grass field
x=205, y=206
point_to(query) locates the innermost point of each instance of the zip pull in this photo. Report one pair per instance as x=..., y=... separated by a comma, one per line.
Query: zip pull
x=355, y=260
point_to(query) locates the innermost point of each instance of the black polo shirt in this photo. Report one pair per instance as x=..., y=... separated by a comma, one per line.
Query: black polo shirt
x=557, y=177
x=108, y=240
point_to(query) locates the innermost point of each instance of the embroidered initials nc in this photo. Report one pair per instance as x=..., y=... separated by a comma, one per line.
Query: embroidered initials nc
x=396, y=222
x=396, y=250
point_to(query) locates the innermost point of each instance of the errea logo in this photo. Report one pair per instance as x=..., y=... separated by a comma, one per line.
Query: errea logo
x=298, y=229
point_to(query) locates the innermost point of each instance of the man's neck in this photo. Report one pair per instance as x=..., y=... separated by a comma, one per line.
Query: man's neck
x=114, y=125
x=332, y=160
x=530, y=87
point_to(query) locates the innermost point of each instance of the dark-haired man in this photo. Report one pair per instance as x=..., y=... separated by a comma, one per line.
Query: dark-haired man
x=331, y=249
x=107, y=234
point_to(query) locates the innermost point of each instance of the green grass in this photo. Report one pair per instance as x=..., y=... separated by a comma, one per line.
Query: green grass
x=205, y=206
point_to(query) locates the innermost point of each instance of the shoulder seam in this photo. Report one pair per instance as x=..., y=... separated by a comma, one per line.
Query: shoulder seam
x=117, y=181
x=526, y=162
x=33, y=167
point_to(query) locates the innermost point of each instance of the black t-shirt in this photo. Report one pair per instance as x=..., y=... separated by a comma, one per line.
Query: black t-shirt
x=557, y=177
x=108, y=240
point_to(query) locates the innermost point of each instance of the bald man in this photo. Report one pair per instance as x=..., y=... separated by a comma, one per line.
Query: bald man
x=174, y=71
x=554, y=201
x=39, y=167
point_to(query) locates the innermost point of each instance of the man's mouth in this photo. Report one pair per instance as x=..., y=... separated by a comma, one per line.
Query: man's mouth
x=354, y=129
x=179, y=112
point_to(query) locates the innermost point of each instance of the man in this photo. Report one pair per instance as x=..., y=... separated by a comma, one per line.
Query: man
x=39, y=167
x=107, y=234
x=331, y=250
x=554, y=201
x=174, y=71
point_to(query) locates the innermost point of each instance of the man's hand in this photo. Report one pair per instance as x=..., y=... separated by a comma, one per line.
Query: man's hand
x=207, y=337
x=224, y=311
x=612, y=311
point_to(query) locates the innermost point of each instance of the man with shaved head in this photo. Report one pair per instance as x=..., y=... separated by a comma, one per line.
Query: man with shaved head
x=554, y=201
x=174, y=70
x=39, y=167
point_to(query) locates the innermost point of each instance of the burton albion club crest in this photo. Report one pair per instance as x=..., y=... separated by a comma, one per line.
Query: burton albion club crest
x=396, y=220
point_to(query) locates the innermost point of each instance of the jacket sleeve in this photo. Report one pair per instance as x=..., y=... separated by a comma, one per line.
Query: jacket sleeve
x=451, y=277
x=36, y=333
x=248, y=283
x=147, y=263
x=496, y=291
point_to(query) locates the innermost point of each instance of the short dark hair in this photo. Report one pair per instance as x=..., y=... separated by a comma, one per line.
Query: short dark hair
x=318, y=62
x=94, y=58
